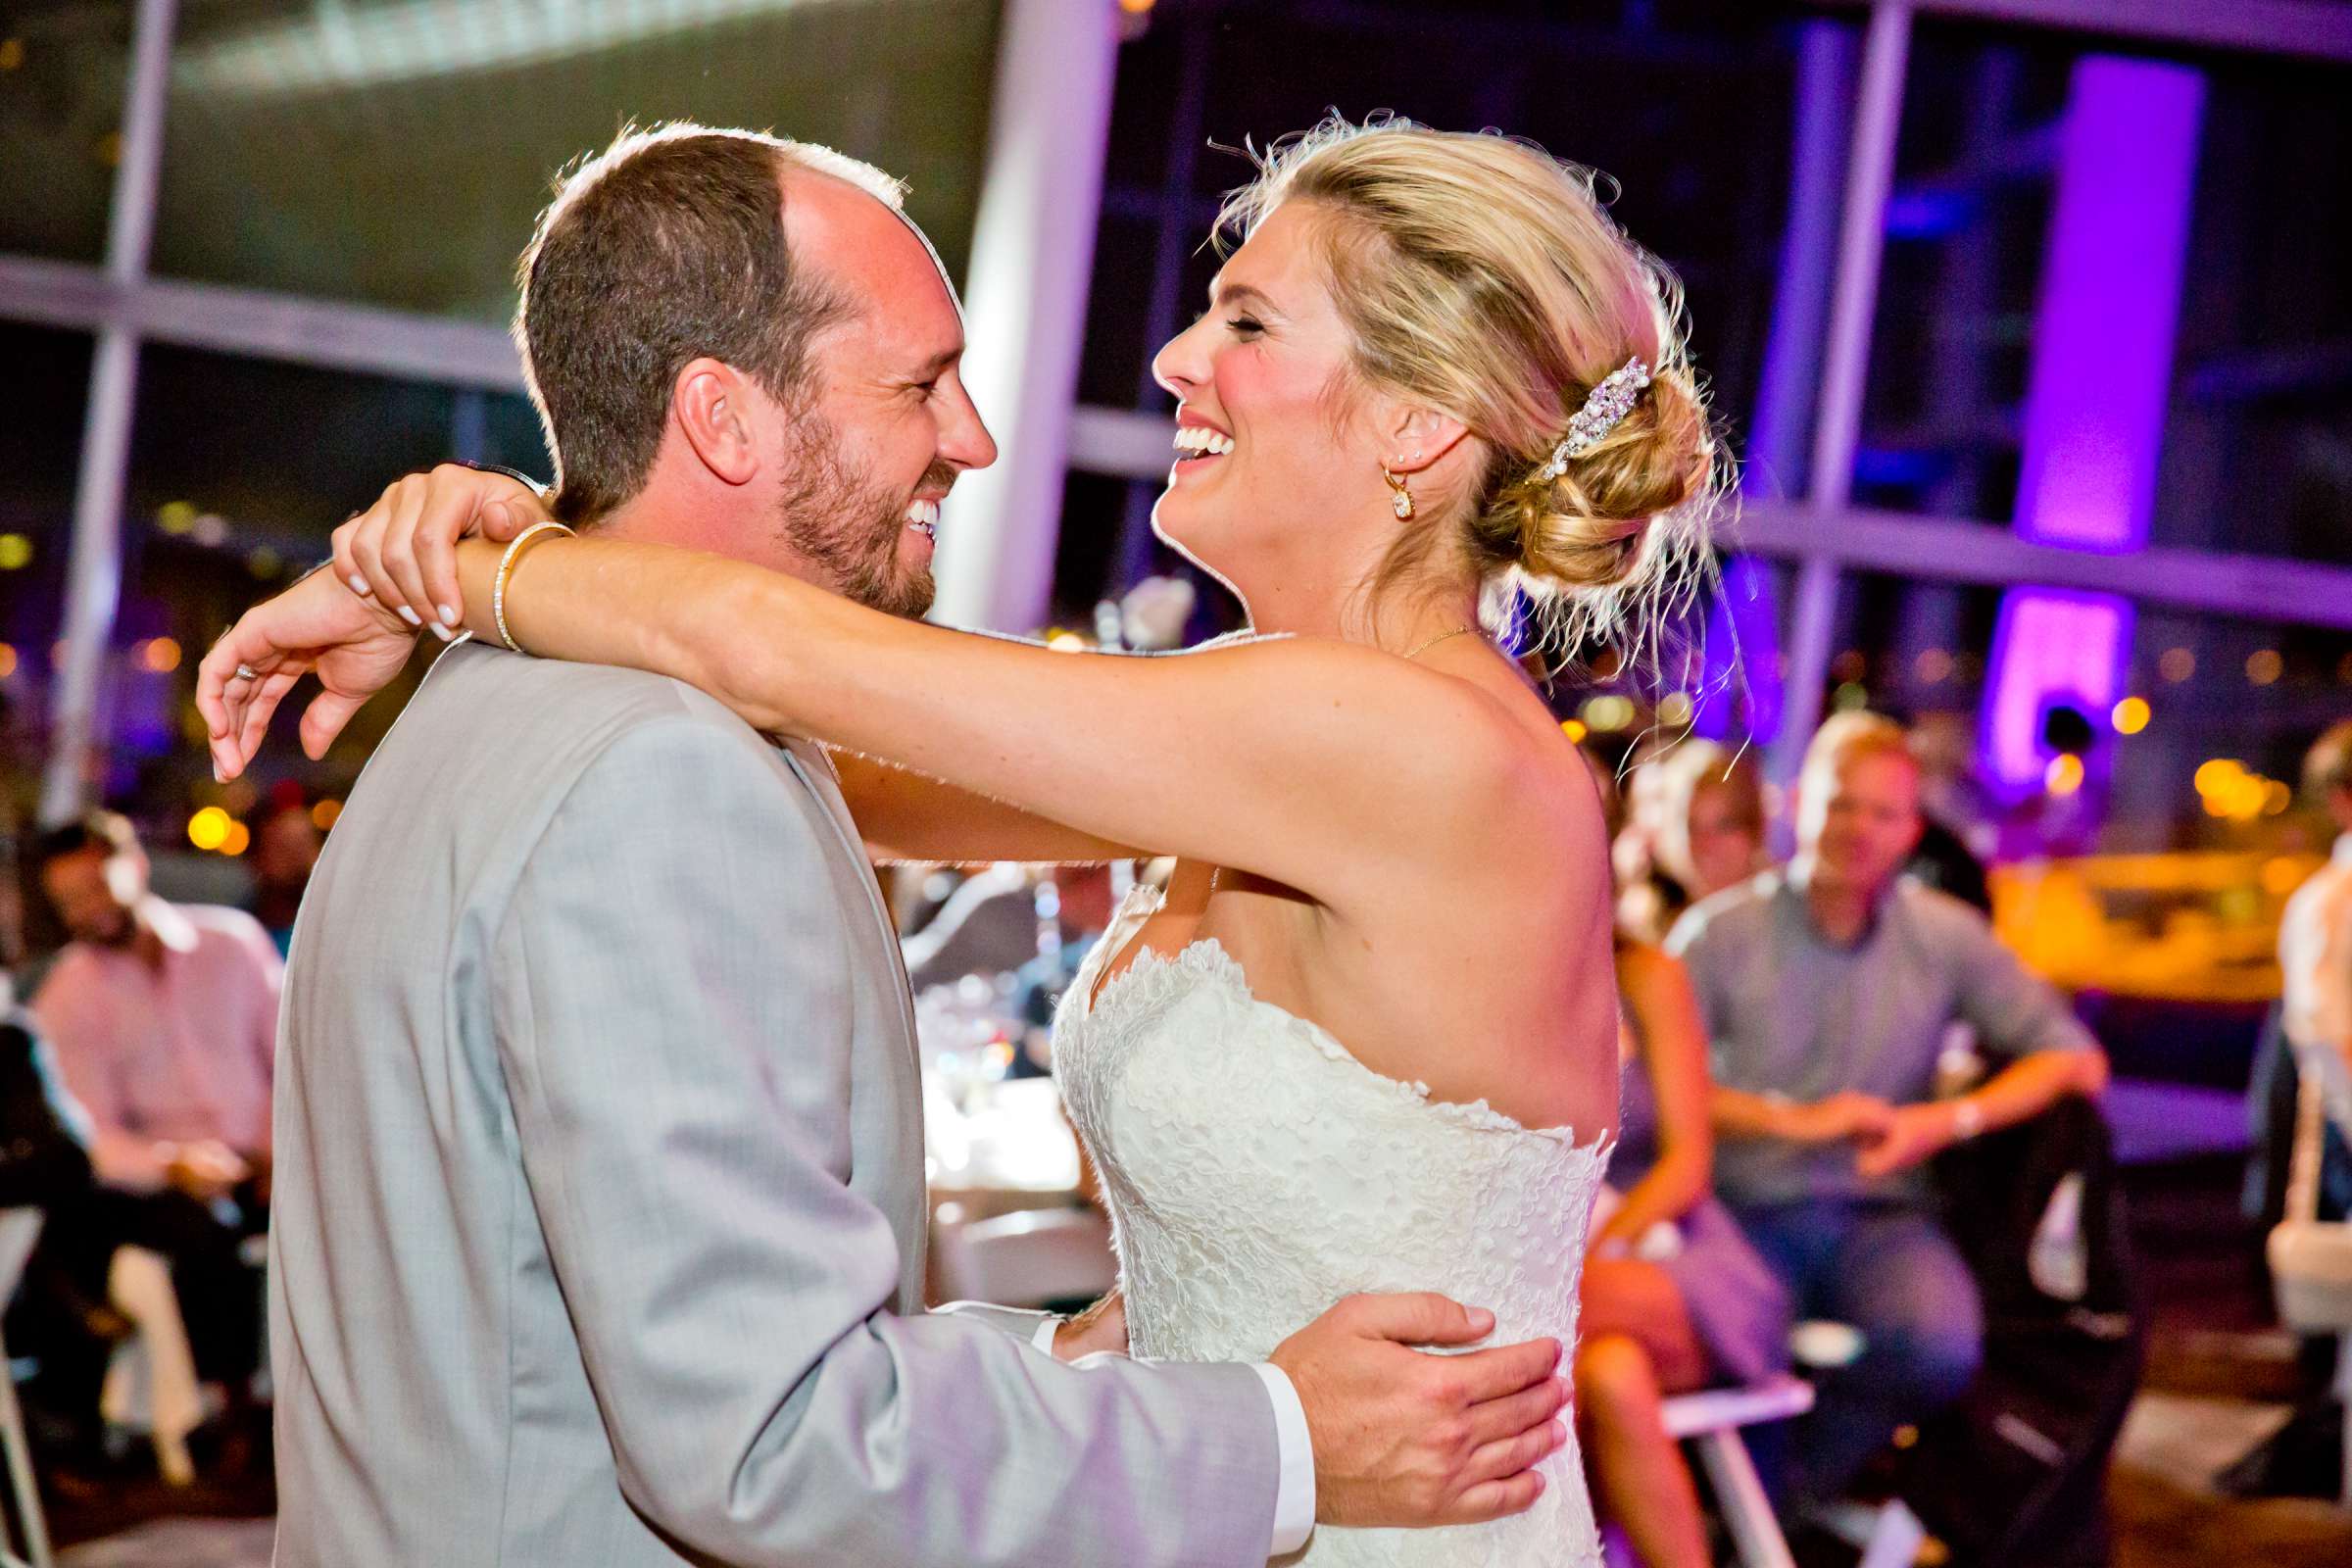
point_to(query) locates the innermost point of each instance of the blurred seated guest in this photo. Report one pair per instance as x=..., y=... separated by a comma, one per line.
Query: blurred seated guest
x=1827, y=990
x=165, y=1022
x=285, y=848
x=57, y=1316
x=1673, y=1298
x=1708, y=834
x=1648, y=898
x=2315, y=938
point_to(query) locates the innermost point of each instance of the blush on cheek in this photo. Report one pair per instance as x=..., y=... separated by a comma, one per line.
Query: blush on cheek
x=1253, y=391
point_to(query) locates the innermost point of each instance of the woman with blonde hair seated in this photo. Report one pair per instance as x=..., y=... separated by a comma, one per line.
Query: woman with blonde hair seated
x=1674, y=1298
x=1708, y=811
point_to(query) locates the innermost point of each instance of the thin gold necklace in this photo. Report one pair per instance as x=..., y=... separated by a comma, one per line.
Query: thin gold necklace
x=1434, y=641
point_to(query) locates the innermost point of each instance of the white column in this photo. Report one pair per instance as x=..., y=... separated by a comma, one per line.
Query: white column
x=94, y=572
x=1033, y=250
x=1869, y=171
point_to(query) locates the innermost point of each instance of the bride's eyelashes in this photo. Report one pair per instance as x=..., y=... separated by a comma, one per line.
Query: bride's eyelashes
x=1245, y=326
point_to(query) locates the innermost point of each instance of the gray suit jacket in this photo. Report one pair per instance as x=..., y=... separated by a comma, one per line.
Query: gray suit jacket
x=598, y=1215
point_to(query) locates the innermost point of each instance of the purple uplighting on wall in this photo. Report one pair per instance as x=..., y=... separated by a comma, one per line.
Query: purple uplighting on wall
x=2050, y=646
x=2095, y=396
x=1741, y=689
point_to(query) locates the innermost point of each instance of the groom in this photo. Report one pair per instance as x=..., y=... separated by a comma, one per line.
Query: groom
x=601, y=1211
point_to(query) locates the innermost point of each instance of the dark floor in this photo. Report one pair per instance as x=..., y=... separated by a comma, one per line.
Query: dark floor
x=2221, y=1379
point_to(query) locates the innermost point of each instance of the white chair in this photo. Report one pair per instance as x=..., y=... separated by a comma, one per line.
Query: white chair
x=19, y=1230
x=1888, y=1535
x=1028, y=1259
x=2311, y=1259
x=1710, y=1421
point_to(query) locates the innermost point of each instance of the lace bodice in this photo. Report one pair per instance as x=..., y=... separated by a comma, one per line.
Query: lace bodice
x=1257, y=1172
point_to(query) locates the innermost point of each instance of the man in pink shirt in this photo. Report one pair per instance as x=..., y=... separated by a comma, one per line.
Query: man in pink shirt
x=164, y=1018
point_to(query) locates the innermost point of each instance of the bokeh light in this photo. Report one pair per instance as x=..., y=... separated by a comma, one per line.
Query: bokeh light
x=208, y=828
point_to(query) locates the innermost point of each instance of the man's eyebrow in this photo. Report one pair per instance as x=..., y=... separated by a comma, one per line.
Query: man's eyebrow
x=937, y=364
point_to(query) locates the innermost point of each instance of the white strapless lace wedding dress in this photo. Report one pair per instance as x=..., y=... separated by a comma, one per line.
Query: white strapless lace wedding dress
x=1257, y=1172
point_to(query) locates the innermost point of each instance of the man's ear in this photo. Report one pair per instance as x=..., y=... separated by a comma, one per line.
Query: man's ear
x=716, y=408
x=1413, y=438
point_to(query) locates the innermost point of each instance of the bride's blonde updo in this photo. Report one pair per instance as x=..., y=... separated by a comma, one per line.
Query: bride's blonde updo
x=1481, y=279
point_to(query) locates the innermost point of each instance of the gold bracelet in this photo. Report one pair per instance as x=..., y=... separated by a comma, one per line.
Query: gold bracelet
x=506, y=569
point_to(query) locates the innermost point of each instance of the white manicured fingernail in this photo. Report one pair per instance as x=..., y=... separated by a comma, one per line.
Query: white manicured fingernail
x=410, y=617
x=441, y=631
x=449, y=616
x=359, y=585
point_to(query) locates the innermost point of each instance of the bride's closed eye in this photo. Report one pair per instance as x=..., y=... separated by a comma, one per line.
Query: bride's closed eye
x=1245, y=326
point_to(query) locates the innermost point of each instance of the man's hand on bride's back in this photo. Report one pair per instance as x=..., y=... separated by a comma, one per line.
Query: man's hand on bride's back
x=403, y=550
x=1405, y=1438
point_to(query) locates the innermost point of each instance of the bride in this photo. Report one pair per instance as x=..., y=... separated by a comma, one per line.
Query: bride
x=1367, y=1040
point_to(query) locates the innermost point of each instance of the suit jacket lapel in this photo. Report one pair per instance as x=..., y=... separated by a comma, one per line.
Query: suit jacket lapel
x=808, y=760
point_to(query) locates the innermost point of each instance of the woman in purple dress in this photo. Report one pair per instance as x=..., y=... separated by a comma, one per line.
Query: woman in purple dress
x=1673, y=1298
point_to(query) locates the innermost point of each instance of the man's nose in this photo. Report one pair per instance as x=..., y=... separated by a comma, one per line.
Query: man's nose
x=964, y=439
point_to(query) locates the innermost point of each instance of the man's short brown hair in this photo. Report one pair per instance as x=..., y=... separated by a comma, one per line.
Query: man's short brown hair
x=666, y=247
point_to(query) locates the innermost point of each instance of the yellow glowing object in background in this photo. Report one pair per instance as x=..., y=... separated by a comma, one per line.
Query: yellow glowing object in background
x=16, y=552
x=208, y=829
x=1610, y=712
x=2130, y=716
x=2064, y=775
x=323, y=814
x=240, y=839
x=161, y=654
x=2218, y=774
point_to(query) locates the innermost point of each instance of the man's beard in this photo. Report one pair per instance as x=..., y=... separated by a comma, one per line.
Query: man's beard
x=839, y=519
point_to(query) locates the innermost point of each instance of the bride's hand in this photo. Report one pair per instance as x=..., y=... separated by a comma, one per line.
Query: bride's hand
x=318, y=624
x=1101, y=1327
x=403, y=550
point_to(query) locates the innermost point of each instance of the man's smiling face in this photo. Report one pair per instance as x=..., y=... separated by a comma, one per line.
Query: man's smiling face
x=887, y=425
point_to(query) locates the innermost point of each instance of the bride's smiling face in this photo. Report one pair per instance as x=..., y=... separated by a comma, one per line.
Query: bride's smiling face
x=1274, y=451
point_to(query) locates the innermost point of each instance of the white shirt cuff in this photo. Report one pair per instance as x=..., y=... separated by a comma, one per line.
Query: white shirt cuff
x=1294, y=1493
x=1043, y=1339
